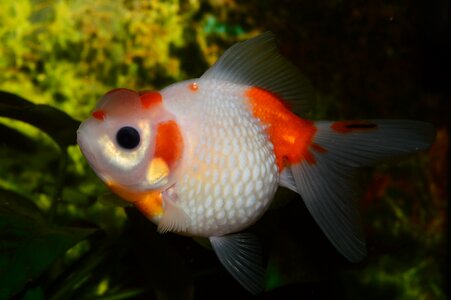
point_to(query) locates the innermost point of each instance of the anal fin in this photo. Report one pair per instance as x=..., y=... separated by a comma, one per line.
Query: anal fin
x=240, y=254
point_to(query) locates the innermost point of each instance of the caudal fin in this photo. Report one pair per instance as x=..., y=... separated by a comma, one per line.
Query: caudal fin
x=325, y=182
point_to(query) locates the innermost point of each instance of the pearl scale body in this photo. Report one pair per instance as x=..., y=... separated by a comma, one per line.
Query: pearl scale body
x=227, y=175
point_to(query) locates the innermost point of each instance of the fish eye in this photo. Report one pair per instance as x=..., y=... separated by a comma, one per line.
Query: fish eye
x=128, y=137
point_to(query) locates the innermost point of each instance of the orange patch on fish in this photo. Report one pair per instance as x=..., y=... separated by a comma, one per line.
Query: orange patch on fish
x=352, y=126
x=148, y=202
x=150, y=99
x=151, y=205
x=169, y=142
x=194, y=86
x=290, y=135
x=99, y=115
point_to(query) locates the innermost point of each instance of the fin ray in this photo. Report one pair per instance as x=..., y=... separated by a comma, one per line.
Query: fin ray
x=357, y=147
x=326, y=185
x=287, y=180
x=173, y=219
x=240, y=254
x=256, y=62
x=331, y=202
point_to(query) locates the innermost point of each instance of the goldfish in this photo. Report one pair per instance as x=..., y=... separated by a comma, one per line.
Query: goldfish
x=204, y=157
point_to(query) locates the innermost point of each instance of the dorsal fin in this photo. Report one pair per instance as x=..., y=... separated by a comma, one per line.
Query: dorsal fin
x=257, y=62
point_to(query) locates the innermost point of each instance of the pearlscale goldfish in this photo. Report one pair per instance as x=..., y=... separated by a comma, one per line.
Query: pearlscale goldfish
x=204, y=157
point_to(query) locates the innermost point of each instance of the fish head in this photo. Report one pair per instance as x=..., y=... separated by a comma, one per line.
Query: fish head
x=125, y=144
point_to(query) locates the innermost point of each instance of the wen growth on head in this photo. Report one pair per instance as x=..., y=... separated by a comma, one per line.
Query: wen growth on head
x=204, y=157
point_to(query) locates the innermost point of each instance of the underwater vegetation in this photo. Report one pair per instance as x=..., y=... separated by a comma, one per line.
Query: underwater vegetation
x=62, y=238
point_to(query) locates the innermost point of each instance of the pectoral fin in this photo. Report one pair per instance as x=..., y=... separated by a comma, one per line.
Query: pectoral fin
x=241, y=255
x=174, y=218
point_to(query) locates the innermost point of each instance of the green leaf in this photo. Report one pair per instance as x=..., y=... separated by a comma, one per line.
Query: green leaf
x=28, y=248
x=56, y=123
x=34, y=294
x=12, y=203
x=16, y=140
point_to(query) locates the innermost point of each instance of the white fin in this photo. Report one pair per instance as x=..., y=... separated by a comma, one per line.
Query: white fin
x=173, y=219
x=256, y=62
x=286, y=180
x=360, y=147
x=330, y=199
x=240, y=254
x=325, y=185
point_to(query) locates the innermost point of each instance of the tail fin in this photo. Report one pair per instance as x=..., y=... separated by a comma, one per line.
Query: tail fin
x=325, y=183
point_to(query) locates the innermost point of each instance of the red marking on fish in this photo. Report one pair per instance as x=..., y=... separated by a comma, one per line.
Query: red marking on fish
x=194, y=87
x=150, y=203
x=169, y=142
x=290, y=135
x=352, y=126
x=149, y=99
x=318, y=148
x=99, y=115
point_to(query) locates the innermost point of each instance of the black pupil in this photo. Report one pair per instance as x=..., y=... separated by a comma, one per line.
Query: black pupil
x=128, y=137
